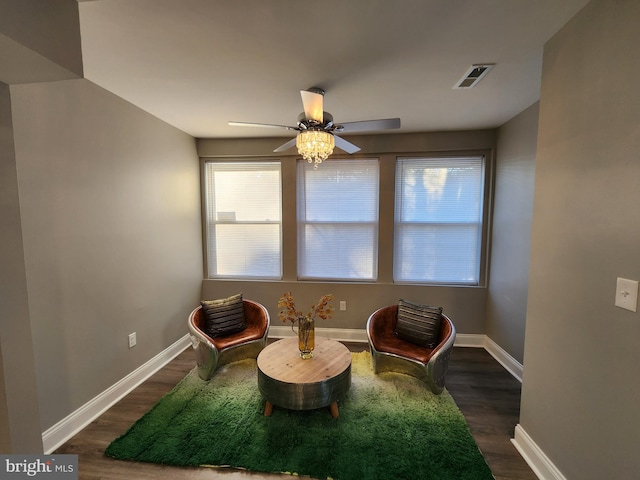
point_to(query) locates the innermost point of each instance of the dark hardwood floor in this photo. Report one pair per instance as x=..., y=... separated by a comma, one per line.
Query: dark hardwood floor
x=489, y=398
x=487, y=395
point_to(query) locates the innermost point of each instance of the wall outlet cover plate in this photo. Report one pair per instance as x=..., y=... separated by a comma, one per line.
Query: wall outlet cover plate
x=627, y=294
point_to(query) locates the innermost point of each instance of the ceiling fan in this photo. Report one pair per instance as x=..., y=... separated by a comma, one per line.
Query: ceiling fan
x=317, y=131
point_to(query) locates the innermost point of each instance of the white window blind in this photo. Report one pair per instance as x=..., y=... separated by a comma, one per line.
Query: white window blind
x=244, y=220
x=338, y=220
x=438, y=220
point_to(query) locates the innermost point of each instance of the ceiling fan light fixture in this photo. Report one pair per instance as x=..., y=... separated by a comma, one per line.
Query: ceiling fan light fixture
x=315, y=146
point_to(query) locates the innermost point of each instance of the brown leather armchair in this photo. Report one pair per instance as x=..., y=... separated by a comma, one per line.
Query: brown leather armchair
x=211, y=353
x=392, y=354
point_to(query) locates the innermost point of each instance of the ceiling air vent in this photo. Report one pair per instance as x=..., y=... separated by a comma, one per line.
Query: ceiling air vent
x=473, y=75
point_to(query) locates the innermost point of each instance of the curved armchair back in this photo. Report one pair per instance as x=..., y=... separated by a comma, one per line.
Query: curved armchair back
x=391, y=353
x=256, y=317
x=211, y=353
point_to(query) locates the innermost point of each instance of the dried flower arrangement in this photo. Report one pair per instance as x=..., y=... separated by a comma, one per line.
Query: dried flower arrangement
x=323, y=310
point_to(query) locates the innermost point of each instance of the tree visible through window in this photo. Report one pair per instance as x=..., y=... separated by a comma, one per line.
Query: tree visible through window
x=244, y=220
x=438, y=220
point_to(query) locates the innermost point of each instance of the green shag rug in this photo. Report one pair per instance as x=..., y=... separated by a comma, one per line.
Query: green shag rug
x=390, y=427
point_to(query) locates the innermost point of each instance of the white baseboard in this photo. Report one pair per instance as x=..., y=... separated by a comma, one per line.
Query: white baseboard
x=360, y=335
x=474, y=340
x=66, y=428
x=510, y=364
x=339, y=334
x=541, y=465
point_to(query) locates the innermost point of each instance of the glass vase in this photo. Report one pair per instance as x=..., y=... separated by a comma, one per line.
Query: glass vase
x=306, y=336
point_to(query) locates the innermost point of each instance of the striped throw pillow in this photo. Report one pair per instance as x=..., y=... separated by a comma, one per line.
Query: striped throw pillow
x=419, y=324
x=224, y=316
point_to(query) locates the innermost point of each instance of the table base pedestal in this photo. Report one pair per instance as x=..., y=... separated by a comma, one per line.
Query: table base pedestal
x=333, y=409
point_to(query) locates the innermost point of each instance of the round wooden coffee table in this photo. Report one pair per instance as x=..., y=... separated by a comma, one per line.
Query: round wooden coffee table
x=288, y=381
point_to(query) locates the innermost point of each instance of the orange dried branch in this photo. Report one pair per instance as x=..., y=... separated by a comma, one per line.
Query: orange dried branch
x=288, y=313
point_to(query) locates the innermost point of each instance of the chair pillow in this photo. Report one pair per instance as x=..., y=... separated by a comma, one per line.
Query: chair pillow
x=224, y=316
x=418, y=324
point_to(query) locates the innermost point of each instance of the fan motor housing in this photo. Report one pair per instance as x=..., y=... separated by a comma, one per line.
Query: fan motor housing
x=306, y=124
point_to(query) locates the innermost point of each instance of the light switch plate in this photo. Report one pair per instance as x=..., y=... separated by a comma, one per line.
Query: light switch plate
x=627, y=294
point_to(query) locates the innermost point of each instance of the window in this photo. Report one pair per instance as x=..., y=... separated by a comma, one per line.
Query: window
x=338, y=220
x=244, y=220
x=438, y=220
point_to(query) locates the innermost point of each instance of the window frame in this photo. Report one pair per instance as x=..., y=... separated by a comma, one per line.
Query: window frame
x=483, y=224
x=208, y=221
x=302, y=222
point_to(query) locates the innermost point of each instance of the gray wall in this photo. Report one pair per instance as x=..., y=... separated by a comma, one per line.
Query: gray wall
x=39, y=41
x=19, y=419
x=100, y=226
x=465, y=305
x=110, y=206
x=580, y=388
x=512, y=212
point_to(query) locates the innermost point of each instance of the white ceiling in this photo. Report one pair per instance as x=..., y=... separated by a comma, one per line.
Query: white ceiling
x=197, y=64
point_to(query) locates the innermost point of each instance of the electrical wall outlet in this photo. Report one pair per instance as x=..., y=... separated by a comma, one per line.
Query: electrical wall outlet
x=343, y=305
x=627, y=294
x=132, y=340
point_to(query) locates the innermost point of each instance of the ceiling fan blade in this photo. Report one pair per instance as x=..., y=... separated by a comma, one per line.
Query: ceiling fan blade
x=313, y=105
x=267, y=125
x=286, y=146
x=342, y=144
x=368, y=125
